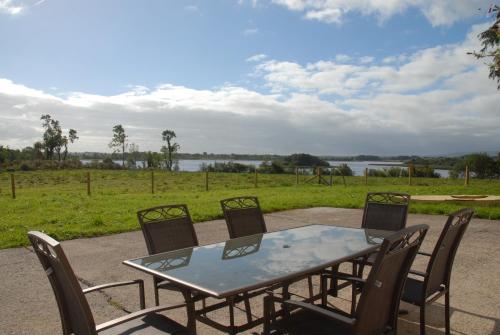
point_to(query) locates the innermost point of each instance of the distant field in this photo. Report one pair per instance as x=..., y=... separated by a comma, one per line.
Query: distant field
x=57, y=202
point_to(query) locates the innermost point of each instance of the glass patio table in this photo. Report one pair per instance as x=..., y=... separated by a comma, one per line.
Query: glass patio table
x=229, y=269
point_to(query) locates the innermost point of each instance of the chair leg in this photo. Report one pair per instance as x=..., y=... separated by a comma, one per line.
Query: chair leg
x=267, y=315
x=447, y=311
x=422, y=319
x=354, y=290
x=248, y=309
x=324, y=290
x=310, y=284
x=334, y=282
x=230, y=302
x=155, y=287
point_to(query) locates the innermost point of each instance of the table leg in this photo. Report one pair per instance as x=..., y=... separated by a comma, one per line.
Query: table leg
x=191, y=312
x=286, y=296
x=230, y=303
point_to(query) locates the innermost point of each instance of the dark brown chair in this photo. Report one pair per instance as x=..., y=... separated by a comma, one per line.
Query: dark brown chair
x=383, y=211
x=377, y=311
x=243, y=216
x=166, y=228
x=76, y=316
x=435, y=281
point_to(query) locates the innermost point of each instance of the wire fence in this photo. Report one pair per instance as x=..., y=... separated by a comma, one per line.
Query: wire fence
x=110, y=182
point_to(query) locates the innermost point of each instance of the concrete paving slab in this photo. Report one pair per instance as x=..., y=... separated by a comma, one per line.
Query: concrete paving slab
x=28, y=307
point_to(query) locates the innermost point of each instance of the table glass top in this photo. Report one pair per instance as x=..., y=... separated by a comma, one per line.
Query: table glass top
x=225, y=268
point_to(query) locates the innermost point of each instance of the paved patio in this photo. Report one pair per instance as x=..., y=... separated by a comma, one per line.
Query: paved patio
x=27, y=305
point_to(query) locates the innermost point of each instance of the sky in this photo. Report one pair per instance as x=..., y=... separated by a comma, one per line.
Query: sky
x=326, y=77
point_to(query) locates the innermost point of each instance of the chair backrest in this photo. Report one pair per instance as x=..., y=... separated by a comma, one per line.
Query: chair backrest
x=167, y=228
x=441, y=262
x=243, y=216
x=386, y=211
x=76, y=316
x=378, y=306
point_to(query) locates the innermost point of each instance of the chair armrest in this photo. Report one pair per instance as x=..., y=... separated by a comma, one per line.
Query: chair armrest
x=418, y=273
x=344, y=276
x=321, y=311
x=424, y=253
x=135, y=315
x=139, y=282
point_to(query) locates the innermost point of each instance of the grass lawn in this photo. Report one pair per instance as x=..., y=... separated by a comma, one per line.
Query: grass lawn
x=57, y=203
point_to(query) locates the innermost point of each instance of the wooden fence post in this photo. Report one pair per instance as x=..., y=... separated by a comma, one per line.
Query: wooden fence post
x=366, y=176
x=410, y=170
x=152, y=182
x=331, y=177
x=467, y=175
x=88, y=183
x=206, y=180
x=13, y=185
x=319, y=174
x=296, y=175
x=256, y=177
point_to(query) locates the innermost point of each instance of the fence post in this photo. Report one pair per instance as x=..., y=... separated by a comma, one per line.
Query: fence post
x=88, y=183
x=319, y=175
x=256, y=177
x=206, y=180
x=331, y=177
x=467, y=175
x=296, y=175
x=152, y=182
x=410, y=170
x=13, y=185
x=366, y=176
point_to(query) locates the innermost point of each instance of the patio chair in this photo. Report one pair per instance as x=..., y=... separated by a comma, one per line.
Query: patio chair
x=383, y=211
x=243, y=216
x=435, y=281
x=74, y=310
x=377, y=311
x=166, y=228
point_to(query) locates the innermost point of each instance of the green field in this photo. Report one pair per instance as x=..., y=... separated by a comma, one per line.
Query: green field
x=57, y=202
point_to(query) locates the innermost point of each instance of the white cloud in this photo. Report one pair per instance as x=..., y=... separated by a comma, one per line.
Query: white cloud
x=250, y=31
x=7, y=6
x=443, y=12
x=434, y=101
x=192, y=8
x=342, y=58
x=366, y=59
x=256, y=58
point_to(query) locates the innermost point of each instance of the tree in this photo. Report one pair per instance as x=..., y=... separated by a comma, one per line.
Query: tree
x=482, y=165
x=119, y=141
x=170, y=149
x=52, y=137
x=37, y=149
x=72, y=137
x=490, y=40
x=133, y=156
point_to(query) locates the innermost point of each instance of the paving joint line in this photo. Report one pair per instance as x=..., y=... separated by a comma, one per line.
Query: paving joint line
x=108, y=297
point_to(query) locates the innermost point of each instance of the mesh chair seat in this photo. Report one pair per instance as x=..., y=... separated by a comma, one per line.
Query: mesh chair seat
x=303, y=322
x=413, y=291
x=151, y=324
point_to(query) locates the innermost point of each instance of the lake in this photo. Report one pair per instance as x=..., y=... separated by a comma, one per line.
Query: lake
x=358, y=167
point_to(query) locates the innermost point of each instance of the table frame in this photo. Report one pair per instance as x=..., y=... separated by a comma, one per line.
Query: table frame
x=244, y=293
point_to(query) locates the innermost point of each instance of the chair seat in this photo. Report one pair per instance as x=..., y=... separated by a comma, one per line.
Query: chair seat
x=151, y=324
x=303, y=322
x=369, y=261
x=412, y=292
